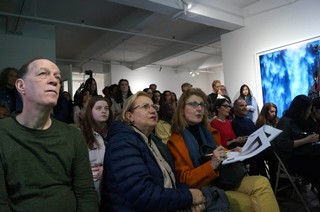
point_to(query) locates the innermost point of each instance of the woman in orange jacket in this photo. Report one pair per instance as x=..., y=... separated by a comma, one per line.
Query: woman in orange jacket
x=190, y=133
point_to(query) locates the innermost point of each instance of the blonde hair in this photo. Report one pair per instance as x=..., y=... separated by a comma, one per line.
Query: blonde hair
x=215, y=82
x=179, y=122
x=128, y=105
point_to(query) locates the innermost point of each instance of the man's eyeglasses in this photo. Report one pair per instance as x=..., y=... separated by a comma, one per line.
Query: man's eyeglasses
x=226, y=106
x=196, y=104
x=145, y=107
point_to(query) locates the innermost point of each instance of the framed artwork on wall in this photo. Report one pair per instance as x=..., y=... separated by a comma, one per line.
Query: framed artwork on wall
x=289, y=71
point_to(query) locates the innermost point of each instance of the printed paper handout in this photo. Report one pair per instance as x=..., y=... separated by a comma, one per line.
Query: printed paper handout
x=256, y=143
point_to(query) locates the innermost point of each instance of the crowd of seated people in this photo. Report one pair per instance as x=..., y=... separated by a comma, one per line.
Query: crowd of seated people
x=160, y=124
x=190, y=132
x=298, y=144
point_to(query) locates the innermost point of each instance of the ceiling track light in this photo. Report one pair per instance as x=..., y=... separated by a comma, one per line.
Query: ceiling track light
x=186, y=6
x=194, y=73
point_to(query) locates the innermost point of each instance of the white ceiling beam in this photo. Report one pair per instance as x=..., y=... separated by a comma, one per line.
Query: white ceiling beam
x=137, y=20
x=218, y=14
x=211, y=35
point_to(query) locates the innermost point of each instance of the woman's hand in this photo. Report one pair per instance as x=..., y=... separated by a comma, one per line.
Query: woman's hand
x=80, y=88
x=312, y=138
x=97, y=171
x=219, y=155
x=237, y=149
x=309, y=139
x=198, y=200
x=241, y=139
x=198, y=208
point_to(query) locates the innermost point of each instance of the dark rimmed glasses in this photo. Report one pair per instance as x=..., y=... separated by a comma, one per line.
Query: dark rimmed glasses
x=226, y=106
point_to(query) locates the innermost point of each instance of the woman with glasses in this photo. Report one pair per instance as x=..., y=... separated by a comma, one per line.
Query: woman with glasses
x=138, y=174
x=223, y=125
x=230, y=141
x=190, y=131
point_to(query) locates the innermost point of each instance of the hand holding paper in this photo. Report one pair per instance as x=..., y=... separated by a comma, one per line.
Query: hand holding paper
x=256, y=143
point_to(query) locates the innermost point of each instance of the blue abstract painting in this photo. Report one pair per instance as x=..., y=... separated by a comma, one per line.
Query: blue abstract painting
x=288, y=72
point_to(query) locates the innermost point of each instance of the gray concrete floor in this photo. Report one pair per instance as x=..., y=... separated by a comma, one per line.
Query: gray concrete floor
x=289, y=201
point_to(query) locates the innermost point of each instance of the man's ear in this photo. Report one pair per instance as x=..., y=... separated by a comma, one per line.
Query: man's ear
x=20, y=86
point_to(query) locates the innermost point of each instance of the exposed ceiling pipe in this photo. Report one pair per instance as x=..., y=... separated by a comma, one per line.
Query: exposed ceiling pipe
x=195, y=45
x=16, y=26
x=288, y=2
x=153, y=65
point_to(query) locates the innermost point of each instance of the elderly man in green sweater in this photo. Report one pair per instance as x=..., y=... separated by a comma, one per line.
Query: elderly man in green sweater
x=44, y=163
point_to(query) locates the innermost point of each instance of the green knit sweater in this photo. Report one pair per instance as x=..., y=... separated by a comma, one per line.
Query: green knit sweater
x=44, y=170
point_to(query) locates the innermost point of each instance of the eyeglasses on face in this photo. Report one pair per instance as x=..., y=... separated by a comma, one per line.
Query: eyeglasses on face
x=196, y=104
x=145, y=106
x=226, y=106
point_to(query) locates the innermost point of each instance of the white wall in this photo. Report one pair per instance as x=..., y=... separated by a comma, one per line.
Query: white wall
x=270, y=29
x=37, y=40
x=166, y=79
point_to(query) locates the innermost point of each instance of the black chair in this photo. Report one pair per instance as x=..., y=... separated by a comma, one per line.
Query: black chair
x=283, y=172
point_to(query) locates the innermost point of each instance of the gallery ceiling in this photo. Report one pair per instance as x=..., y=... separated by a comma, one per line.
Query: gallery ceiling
x=137, y=33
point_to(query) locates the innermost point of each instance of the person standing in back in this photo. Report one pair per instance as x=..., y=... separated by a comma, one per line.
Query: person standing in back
x=185, y=86
x=90, y=85
x=122, y=94
x=216, y=86
x=252, y=107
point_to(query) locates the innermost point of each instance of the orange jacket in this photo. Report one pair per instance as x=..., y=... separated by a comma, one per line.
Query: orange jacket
x=186, y=172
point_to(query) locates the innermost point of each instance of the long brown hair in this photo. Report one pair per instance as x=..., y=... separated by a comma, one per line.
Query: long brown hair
x=88, y=124
x=264, y=114
x=179, y=122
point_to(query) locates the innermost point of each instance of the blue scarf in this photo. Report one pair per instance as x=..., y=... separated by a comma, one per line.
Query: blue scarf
x=193, y=146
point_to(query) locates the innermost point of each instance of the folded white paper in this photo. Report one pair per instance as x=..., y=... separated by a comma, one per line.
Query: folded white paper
x=256, y=143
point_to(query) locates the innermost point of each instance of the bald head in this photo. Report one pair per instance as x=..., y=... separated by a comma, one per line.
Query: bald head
x=240, y=107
